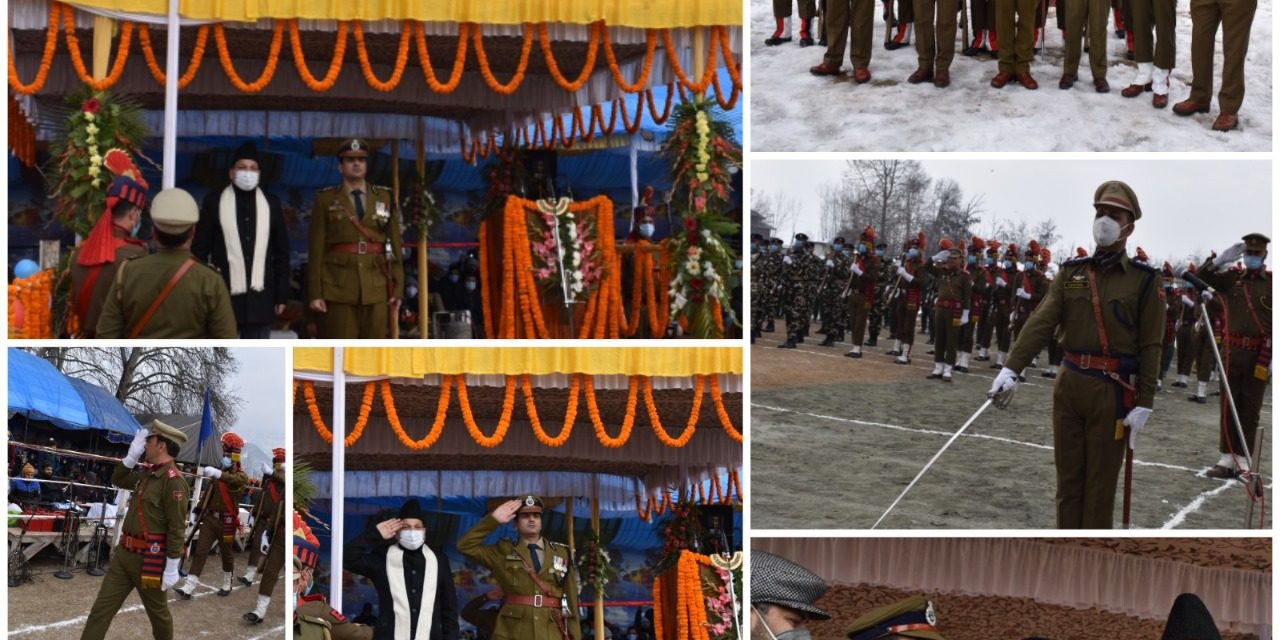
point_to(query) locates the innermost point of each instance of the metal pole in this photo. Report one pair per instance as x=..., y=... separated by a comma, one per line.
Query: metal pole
x=395, y=202
x=597, y=613
x=337, y=492
x=171, y=99
x=424, y=270
x=1128, y=480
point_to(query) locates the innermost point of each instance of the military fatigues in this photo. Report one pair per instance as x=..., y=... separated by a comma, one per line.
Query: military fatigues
x=350, y=271
x=88, y=302
x=955, y=293
x=830, y=304
x=507, y=560
x=274, y=562
x=199, y=305
x=799, y=279
x=314, y=619
x=766, y=268
x=1088, y=407
x=1236, y=17
x=1094, y=13
x=1016, y=34
x=157, y=516
x=845, y=19
x=221, y=518
x=1247, y=357
x=862, y=298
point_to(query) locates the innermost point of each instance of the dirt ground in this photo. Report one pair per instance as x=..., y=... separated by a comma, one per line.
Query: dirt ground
x=835, y=440
x=54, y=609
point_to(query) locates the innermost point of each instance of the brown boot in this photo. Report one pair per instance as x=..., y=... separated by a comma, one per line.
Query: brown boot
x=1135, y=90
x=1027, y=81
x=1100, y=85
x=1159, y=101
x=825, y=69
x=1068, y=80
x=1001, y=79
x=920, y=75
x=1226, y=122
x=1189, y=107
x=942, y=79
x=862, y=76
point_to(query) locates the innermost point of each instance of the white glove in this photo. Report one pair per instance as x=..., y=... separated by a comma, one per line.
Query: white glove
x=1003, y=386
x=855, y=269
x=265, y=545
x=905, y=275
x=267, y=469
x=210, y=472
x=941, y=256
x=137, y=448
x=170, y=576
x=191, y=520
x=1207, y=295
x=786, y=260
x=1000, y=282
x=830, y=264
x=1022, y=293
x=964, y=317
x=1229, y=256
x=1188, y=301
x=1136, y=420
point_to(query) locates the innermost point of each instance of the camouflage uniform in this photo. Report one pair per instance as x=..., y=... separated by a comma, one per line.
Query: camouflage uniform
x=766, y=270
x=880, y=308
x=799, y=279
x=830, y=304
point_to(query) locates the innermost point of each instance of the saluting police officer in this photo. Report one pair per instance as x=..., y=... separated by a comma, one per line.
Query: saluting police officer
x=537, y=577
x=150, y=548
x=168, y=294
x=355, y=275
x=1111, y=369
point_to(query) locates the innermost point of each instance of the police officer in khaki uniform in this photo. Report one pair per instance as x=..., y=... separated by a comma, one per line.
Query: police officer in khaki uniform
x=537, y=577
x=168, y=294
x=313, y=618
x=220, y=517
x=845, y=19
x=912, y=618
x=150, y=548
x=1015, y=28
x=355, y=272
x=1110, y=378
x=1247, y=295
x=951, y=310
x=1094, y=13
x=863, y=270
x=1236, y=18
x=935, y=47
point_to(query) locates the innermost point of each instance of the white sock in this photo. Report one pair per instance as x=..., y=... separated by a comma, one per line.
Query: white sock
x=1160, y=81
x=984, y=353
x=189, y=586
x=906, y=352
x=897, y=345
x=250, y=573
x=946, y=371
x=261, y=610
x=1200, y=386
x=786, y=27
x=1225, y=460
x=1000, y=358
x=964, y=360
x=1142, y=74
x=1182, y=379
x=226, y=580
x=937, y=368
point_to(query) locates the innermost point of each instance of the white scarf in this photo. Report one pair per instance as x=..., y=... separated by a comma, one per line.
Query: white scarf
x=400, y=594
x=231, y=235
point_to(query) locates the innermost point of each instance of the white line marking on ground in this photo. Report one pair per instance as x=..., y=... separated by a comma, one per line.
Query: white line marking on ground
x=80, y=620
x=1194, y=505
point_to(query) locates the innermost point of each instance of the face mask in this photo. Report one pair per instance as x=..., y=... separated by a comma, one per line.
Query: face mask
x=862, y=249
x=646, y=229
x=973, y=259
x=1028, y=265
x=1106, y=231
x=453, y=277
x=790, y=634
x=137, y=226
x=988, y=262
x=226, y=462
x=246, y=180
x=411, y=292
x=879, y=253
x=755, y=248
x=1253, y=263
x=411, y=539
x=1008, y=264
x=471, y=285
x=737, y=263
x=773, y=248
x=912, y=253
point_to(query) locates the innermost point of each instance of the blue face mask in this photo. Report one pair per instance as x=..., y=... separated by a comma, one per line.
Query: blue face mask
x=988, y=261
x=862, y=249
x=1253, y=263
x=1008, y=264
x=226, y=462
x=773, y=248
x=879, y=253
x=973, y=259
x=137, y=226
x=912, y=253
x=1028, y=265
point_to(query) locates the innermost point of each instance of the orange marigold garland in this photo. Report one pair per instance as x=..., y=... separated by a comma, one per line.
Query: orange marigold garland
x=46, y=58
x=718, y=401
x=628, y=419
x=437, y=425
x=268, y=70
x=366, y=403
x=650, y=47
x=335, y=64
x=402, y=57
x=656, y=423
x=588, y=65
x=570, y=412
x=487, y=73
x=193, y=65
x=73, y=47
x=459, y=58
x=504, y=421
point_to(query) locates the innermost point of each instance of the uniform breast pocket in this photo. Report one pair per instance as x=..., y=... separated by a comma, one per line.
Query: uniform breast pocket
x=1077, y=303
x=1125, y=310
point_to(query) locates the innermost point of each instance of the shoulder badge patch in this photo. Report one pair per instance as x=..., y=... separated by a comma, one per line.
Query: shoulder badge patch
x=337, y=615
x=173, y=473
x=177, y=496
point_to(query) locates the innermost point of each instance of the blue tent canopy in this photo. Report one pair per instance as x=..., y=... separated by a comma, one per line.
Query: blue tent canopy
x=41, y=392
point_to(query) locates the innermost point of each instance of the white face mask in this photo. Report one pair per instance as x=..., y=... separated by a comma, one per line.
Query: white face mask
x=790, y=634
x=646, y=229
x=471, y=285
x=411, y=292
x=1106, y=231
x=246, y=180
x=411, y=539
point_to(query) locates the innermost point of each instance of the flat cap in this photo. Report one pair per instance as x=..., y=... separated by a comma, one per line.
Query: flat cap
x=168, y=432
x=776, y=580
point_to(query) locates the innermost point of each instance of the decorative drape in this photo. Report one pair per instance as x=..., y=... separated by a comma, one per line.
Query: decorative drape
x=416, y=363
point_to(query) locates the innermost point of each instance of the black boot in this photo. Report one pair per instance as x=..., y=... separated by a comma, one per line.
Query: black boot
x=789, y=344
x=768, y=326
x=828, y=341
x=872, y=341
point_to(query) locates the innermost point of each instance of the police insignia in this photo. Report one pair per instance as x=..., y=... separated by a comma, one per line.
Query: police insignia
x=337, y=615
x=177, y=496
x=173, y=473
x=529, y=501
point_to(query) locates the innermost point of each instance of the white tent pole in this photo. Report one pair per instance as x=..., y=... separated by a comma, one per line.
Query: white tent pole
x=338, y=493
x=171, y=100
x=635, y=177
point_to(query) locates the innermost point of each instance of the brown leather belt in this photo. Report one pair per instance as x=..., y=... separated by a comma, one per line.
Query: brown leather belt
x=358, y=248
x=1093, y=362
x=1250, y=344
x=949, y=304
x=135, y=543
x=544, y=602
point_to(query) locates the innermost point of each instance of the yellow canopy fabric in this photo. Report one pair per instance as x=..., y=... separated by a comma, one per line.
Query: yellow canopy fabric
x=645, y=14
x=416, y=362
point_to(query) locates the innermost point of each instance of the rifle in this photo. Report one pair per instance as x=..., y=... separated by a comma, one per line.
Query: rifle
x=889, y=20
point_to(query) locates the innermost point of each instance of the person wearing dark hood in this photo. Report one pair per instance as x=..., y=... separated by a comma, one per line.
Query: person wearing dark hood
x=416, y=599
x=242, y=234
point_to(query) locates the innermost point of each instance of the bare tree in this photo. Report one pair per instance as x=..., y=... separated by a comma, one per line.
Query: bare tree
x=155, y=379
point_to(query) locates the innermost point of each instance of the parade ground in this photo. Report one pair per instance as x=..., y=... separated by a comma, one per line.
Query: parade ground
x=53, y=609
x=835, y=440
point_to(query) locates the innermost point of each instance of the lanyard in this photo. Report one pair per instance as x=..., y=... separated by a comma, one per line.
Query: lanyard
x=1097, y=312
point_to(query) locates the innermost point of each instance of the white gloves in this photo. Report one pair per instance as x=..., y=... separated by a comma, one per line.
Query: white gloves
x=1022, y=293
x=786, y=260
x=170, y=576
x=855, y=269
x=137, y=448
x=1188, y=301
x=905, y=275
x=1003, y=386
x=1229, y=256
x=941, y=256
x=1136, y=420
x=830, y=264
x=1207, y=295
x=267, y=469
x=964, y=317
x=210, y=472
x=1000, y=282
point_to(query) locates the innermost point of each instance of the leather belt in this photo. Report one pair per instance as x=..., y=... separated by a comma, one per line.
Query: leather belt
x=949, y=304
x=358, y=248
x=1093, y=362
x=544, y=602
x=1250, y=344
x=135, y=543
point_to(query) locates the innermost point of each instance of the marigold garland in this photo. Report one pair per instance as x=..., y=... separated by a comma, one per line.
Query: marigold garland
x=656, y=423
x=657, y=607
x=22, y=134
x=459, y=58
x=628, y=419
x=268, y=71
x=193, y=65
x=73, y=47
x=504, y=421
x=487, y=73
x=437, y=425
x=570, y=413
x=650, y=47
x=588, y=65
x=718, y=401
x=709, y=71
x=402, y=58
x=666, y=109
x=335, y=64
x=366, y=403
x=483, y=241
x=46, y=58
x=35, y=295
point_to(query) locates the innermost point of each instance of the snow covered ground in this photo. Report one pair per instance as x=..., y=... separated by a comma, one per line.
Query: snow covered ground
x=792, y=110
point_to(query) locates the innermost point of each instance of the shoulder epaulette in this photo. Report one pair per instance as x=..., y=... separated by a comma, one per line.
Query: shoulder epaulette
x=1077, y=261
x=335, y=188
x=1144, y=266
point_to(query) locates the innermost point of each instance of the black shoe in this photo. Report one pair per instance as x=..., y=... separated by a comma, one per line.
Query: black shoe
x=822, y=42
x=1022, y=378
x=996, y=366
x=961, y=369
x=1220, y=472
x=251, y=618
x=1048, y=374
x=789, y=344
x=1197, y=399
x=182, y=594
x=828, y=341
x=800, y=339
x=853, y=354
x=245, y=581
x=934, y=376
x=773, y=42
x=893, y=352
x=1180, y=385
x=907, y=361
x=224, y=592
x=806, y=42
x=982, y=358
x=768, y=327
x=870, y=343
